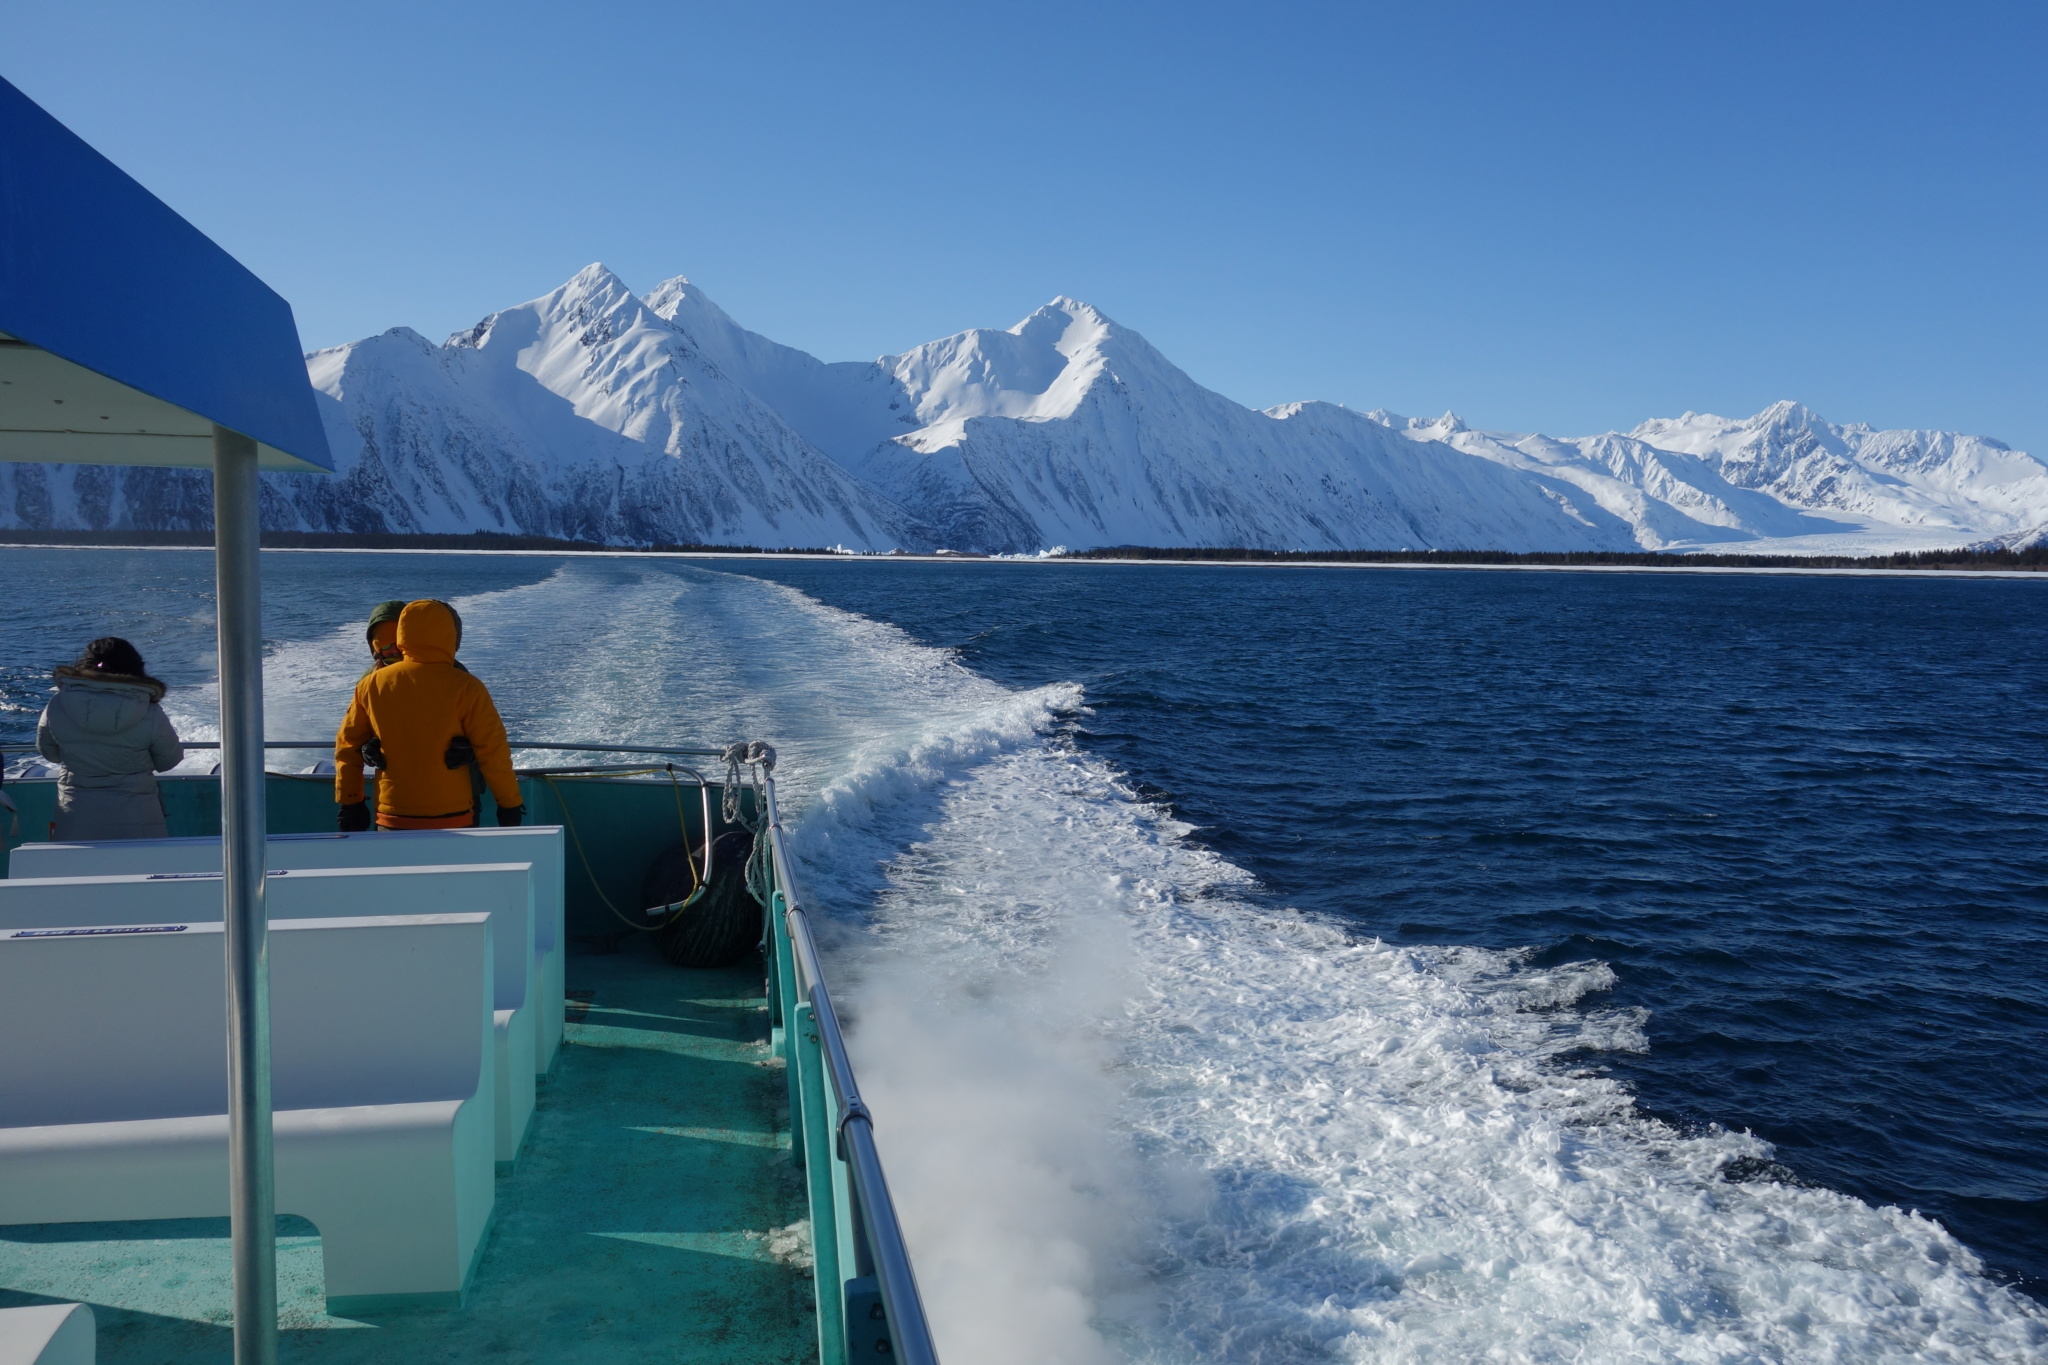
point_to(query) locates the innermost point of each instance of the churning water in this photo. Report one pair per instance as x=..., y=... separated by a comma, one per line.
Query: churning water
x=1290, y=965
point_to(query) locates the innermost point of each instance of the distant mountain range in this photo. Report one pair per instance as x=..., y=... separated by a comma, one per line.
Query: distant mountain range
x=591, y=413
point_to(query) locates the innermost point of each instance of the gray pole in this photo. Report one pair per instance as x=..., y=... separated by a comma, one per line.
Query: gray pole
x=238, y=602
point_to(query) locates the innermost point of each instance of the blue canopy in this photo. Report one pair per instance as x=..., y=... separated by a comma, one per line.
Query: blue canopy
x=125, y=333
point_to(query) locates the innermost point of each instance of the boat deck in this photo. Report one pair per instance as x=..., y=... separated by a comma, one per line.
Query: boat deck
x=654, y=1214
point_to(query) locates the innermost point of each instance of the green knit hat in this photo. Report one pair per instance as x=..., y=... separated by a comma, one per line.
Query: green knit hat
x=386, y=611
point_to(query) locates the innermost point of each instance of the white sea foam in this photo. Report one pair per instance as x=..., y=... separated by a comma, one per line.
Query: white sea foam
x=1129, y=1114
x=306, y=685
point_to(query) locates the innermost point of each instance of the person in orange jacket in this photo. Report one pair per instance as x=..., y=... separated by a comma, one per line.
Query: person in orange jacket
x=432, y=719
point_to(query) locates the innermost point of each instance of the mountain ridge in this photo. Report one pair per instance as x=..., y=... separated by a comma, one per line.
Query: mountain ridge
x=593, y=413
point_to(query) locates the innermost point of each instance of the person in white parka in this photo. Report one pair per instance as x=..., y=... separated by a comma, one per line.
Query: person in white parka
x=106, y=728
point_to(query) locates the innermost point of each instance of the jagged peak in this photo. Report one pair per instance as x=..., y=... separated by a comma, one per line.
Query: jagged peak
x=592, y=290
x=469, y=338
x=1786, y=413
x=408, y=337
x=596, y=275
x=1285, y=412
x=682, y=304
x=1066, y=324
x=1077, y=308
x=1450, y=424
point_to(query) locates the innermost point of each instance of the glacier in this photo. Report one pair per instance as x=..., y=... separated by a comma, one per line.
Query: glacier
x=595, y=414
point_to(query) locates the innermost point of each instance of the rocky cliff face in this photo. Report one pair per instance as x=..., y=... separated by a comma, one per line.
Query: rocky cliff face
x=593, y=414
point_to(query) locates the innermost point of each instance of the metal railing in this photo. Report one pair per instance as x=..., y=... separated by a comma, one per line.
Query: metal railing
x=868, y=1302
x=29, y=745
x=587, y=769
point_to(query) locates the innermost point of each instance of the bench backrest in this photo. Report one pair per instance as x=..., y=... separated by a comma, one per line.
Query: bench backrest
x=540, y=845
x=106, y=1026
x=504, y=891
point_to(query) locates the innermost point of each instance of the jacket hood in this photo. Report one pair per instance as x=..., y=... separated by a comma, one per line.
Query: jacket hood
x=428, y=633
x=104, y=704
x=98, y=678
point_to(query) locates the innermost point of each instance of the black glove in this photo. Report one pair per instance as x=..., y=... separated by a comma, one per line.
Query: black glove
x=461, y=753
x=511, y=815
x=353, y=819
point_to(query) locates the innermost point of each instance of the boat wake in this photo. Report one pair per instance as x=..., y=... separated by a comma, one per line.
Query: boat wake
x=1131, y=1115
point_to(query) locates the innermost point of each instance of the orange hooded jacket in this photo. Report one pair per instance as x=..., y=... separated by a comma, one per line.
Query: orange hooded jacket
x=415, y=708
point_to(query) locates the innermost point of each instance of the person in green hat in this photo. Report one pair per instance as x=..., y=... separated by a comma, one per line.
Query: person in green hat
x=383, y=636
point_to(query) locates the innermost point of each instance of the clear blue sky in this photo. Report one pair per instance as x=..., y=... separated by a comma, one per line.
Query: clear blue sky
x=1563, y=217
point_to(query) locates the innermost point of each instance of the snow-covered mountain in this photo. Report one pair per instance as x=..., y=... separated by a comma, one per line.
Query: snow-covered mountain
x=1070, y=430
x=1938, y=479
x=590, y=413
x=582, y=414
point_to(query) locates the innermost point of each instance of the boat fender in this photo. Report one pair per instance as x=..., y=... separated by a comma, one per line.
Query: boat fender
x=719, y=927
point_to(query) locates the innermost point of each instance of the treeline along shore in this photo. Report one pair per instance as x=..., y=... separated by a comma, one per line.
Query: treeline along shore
x=2034, y=559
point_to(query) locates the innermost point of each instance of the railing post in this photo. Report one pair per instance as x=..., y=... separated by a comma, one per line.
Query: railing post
x=770, y=930
x=792, y=1045
x=854, y=1262
x=816, y=1146
x=785, y=970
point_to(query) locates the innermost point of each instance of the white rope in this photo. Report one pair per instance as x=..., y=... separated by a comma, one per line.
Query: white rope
x=748, y=765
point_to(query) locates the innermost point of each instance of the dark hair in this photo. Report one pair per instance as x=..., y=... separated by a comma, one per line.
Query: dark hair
x=112, y=654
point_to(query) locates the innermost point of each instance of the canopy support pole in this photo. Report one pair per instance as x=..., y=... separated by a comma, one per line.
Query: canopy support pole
x=252, y=1194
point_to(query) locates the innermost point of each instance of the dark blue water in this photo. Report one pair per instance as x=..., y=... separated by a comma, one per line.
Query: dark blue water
x=1805, y=819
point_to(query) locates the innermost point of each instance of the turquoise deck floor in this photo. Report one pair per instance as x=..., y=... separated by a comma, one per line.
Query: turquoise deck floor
x=653, y=1215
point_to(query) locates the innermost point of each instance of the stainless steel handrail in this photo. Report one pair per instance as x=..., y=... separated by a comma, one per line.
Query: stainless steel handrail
x=600, y=769
x=29, y=745
x=909, y=1332
x=621, y=749
x=582, y=770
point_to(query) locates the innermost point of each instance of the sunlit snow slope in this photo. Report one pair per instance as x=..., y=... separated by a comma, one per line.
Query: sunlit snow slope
x=592, y=414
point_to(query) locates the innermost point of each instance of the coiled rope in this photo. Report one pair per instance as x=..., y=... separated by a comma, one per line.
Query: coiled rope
x=758, y=760
x=700, y=879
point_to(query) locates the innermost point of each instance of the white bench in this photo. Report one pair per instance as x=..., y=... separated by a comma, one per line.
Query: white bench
x=116, y=1085
x=48, y=1334
x=501, y=890
x=540, y=845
